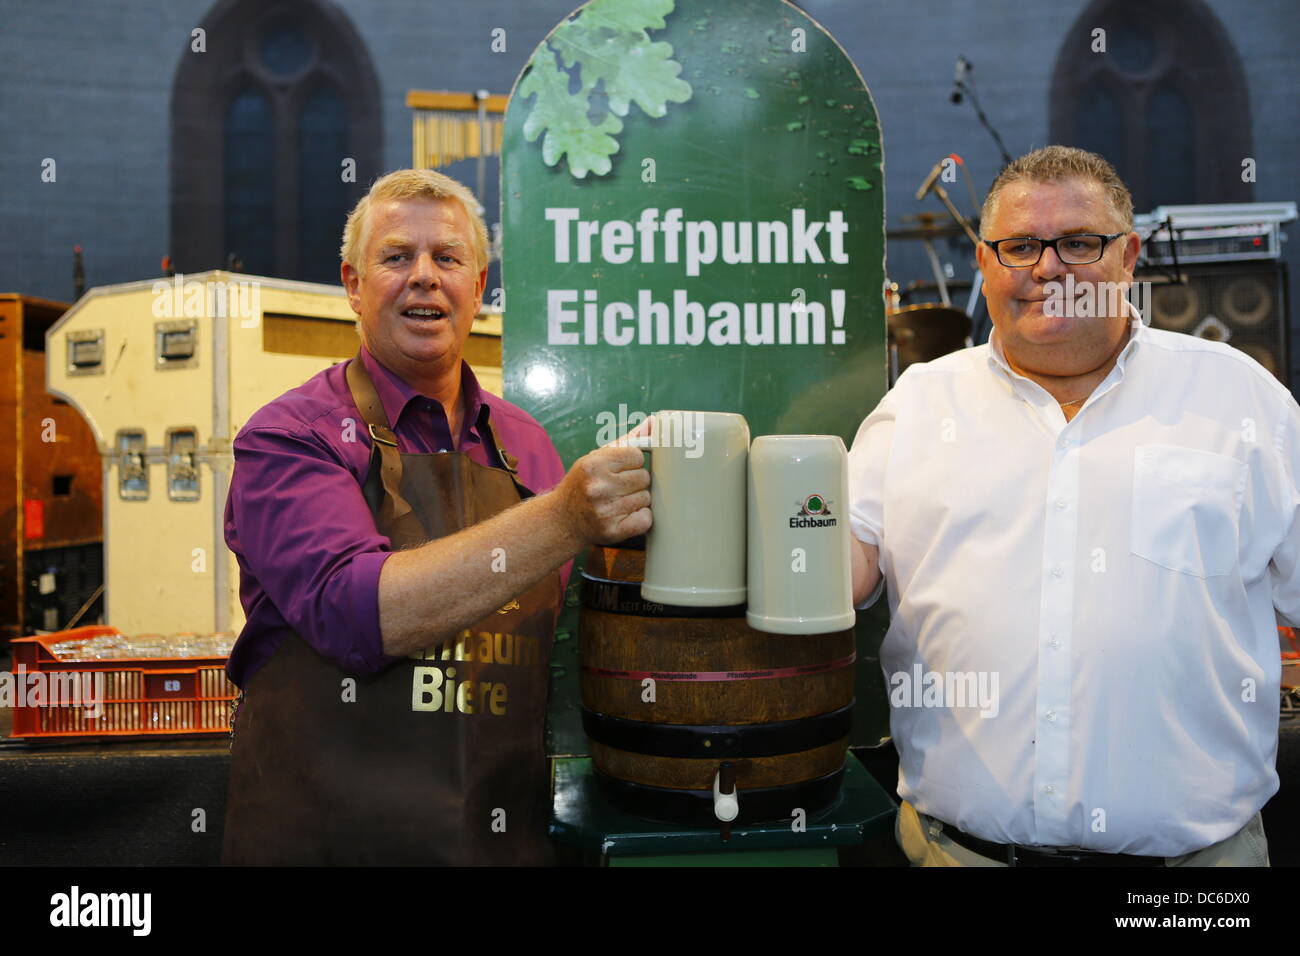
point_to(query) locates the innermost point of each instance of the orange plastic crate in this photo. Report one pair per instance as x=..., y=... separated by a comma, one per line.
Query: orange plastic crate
x=1290, y=658
x=141, y=697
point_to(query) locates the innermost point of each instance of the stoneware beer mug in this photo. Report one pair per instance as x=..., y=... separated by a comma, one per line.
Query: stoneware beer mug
x=800, y=578
x=695, y=548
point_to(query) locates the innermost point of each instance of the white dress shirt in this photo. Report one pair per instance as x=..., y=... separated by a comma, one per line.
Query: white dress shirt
x=1112, y=579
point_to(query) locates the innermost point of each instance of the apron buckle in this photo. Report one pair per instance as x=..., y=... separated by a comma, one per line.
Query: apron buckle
x=383, y=435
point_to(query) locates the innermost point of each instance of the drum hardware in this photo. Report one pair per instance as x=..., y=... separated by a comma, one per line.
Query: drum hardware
x=924, y=332
x=892, y=300
x=927, y=227
x=1290, y=708
x=1290, y=703
x=928, y=230
x=920, y=291
x=933, y=185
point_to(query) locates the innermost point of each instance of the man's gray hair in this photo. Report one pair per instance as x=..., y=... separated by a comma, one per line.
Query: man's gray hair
x=1055, y=164
x=411, y=184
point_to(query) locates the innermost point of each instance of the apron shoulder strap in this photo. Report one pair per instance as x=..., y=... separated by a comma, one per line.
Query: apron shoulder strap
x=386, y=492
x=507, y=461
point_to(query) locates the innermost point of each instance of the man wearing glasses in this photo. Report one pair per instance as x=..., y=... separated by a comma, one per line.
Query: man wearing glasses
x=1100, y=516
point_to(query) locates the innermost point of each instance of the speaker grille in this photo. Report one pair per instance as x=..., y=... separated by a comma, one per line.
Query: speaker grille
x=1241, y=303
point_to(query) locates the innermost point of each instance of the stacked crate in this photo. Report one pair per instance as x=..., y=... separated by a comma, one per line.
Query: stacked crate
x=94, y=681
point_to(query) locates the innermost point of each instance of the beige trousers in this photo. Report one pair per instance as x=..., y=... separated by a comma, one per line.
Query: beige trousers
x=924, y=843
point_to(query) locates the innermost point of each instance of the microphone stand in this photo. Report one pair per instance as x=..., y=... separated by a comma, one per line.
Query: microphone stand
x=957, y=216
x=932, y=185
x=969, y=90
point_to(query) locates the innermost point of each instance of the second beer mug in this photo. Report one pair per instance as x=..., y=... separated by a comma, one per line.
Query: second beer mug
x=695, y=549
x=800, y=574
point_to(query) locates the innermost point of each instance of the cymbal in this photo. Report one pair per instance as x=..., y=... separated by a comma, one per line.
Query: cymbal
x=926, y=331
x=929, y=312
x=947, y=230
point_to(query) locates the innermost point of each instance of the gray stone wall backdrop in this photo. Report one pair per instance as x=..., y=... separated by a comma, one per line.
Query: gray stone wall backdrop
x=906, y=51
x=88, y=84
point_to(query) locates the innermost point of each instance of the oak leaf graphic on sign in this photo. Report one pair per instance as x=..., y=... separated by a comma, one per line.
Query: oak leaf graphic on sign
x=607, y=46
x=564, y=118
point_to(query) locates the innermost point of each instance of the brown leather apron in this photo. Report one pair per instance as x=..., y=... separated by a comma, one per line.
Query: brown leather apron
x=440, y=758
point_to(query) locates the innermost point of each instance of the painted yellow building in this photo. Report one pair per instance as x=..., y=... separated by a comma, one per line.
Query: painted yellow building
x=166, y=372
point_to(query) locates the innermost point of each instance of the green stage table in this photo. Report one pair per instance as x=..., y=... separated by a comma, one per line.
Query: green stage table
x=584, y=820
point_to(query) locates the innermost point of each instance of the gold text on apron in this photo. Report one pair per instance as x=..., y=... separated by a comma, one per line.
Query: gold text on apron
x=435, y=690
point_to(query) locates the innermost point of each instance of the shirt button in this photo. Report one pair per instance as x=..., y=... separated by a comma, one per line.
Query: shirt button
x=1063, y=443
x=1060, y=504
x=1054, y=642
x=1049, y=789
x=1050, y=715
x=1057, y=571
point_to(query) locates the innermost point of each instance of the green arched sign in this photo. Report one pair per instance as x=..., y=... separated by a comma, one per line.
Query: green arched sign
x=693, y=218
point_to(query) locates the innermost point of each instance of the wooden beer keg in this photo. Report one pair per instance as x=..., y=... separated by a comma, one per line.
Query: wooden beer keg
x=773, y=711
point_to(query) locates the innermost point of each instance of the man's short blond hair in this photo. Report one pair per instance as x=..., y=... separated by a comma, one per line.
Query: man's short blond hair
x=411, y=184
x=1058, y=163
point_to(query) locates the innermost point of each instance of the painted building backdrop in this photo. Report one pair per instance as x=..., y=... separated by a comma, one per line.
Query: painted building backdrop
x=160, y=150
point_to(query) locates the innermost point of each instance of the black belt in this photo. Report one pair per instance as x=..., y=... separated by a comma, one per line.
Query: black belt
x=1016, y=855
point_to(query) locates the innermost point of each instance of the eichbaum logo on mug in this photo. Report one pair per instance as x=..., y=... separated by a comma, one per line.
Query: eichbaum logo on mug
x=814, y=512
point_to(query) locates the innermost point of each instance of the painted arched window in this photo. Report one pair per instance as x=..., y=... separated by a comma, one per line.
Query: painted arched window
x=1100, y=121
x=322, y=197
x=275, y=134
x=1156, y=88
x=1171, y=148
x=248, y=189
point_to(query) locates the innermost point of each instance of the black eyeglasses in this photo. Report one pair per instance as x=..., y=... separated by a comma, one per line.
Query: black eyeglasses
x=1076, y=249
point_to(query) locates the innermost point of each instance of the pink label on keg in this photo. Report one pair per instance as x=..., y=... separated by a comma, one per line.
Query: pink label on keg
x=800, y=671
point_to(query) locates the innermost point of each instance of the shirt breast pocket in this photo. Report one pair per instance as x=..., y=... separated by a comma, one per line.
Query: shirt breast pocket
x=1186, y=509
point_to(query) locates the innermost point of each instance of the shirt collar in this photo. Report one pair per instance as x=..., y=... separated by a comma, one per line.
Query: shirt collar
x=1138, y=333
x=476, y=406
x=395, y=395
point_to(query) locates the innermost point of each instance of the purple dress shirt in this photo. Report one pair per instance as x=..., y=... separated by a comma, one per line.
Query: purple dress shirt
x=308, y=549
